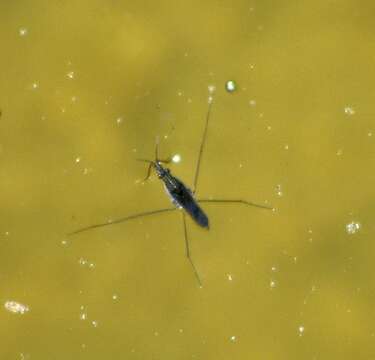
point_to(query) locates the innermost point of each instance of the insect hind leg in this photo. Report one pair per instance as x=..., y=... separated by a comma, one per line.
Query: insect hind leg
x=235, y=201
x=187, y=248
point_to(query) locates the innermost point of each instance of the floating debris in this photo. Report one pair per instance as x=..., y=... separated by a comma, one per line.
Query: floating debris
x=353, y=227
x=349, y=110
x=16, y=307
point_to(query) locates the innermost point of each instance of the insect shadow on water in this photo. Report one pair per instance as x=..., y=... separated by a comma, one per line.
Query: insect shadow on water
x=181, y=196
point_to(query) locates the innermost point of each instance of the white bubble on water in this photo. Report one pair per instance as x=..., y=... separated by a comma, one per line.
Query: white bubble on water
x=176, y=158
x=231, y=86
x=301, y=330
x=23, y=31
x=353, y=227
x=70, y=75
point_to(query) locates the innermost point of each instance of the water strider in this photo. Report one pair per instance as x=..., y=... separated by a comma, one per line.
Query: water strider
x=182, y=197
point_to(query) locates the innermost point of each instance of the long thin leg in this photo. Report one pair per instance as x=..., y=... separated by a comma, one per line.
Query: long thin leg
x=234, y=201
x=151, y=164
x=120, y=220
x=157, y=148
x=187, y=247
x=202, y=146
x=148, y=173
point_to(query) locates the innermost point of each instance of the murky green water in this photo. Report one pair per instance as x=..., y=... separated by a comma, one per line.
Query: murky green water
x=85, y=89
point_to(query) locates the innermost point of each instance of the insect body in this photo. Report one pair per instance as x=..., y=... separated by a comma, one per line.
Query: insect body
x=182, y=197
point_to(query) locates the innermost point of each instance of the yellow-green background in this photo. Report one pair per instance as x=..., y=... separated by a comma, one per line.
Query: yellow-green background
x=66, y=162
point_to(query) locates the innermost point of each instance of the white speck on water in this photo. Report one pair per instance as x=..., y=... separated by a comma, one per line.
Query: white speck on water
x=74, y=99
x=70, y=75
x=34, y=85
x=274, y=268
x=240, y=166
x=119, y=120
x=16, y=307
x=114, y=296
x=233, y=338
x=83, y=316
x=252, y=102
x=252, y=66
x=339, y=152
x=180, y=331
x=7, y=233
x=82, y=261
x=176, y=158
x=286, y=147
x=269, y=128
x=230, y=277
x=301, y=330
x=211, y=89
x=180, y=93
x=272, y=284
x=64, y=242
x=278, y=190
x=369, y=134
x=23, y=31
x=78, y=159
x=349, y=110
x=353, y=227
x=156, y=333
x=94, y=323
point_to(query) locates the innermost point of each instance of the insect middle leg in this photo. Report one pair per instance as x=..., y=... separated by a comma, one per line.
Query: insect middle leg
x=123, y=219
